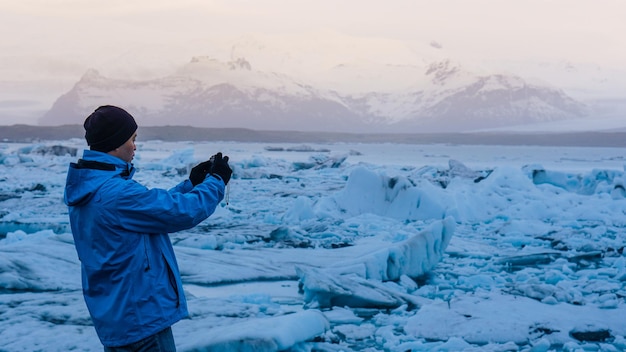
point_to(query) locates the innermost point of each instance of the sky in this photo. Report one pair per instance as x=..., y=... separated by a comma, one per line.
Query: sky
x=587, y=29
x=53, y=42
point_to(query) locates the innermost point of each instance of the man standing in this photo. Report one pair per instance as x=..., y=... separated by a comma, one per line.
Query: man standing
x=130, y=277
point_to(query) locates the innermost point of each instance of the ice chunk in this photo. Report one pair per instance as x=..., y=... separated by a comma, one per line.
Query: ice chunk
x=45, y=268
x=595, y=181
x=180, y=159
x=369, y=192
x=355, y=282
x=262, y=334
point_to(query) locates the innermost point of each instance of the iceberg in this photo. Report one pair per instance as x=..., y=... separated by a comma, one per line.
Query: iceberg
x=356, y=282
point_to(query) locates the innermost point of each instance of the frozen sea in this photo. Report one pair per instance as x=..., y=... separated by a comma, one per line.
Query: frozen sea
x=347, y=247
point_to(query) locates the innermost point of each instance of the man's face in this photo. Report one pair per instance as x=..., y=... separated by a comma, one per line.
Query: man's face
x=126, y=151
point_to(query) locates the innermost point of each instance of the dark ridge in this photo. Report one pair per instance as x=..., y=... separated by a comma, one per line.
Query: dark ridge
x=29, y=133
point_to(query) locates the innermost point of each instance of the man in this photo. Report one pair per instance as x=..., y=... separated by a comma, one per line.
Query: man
x=130, y=277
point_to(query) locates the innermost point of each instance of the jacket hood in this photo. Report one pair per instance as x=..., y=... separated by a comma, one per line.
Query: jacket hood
x=87, y=175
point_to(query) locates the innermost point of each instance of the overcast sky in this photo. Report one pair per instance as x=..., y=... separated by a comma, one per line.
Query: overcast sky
x=592, y=30
x=74, y=35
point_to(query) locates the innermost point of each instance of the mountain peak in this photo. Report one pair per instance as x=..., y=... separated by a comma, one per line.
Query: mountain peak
x=442, y=71
x=239, y=64
x=91, y=75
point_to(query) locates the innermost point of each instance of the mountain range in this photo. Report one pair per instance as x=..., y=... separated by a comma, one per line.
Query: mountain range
x=442, y=97
x=433, y=94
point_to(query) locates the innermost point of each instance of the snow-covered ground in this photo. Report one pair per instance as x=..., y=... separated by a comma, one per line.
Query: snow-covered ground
x=348, y=247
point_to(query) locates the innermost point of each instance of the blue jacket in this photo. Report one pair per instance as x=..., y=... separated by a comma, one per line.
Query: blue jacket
x=131, y=282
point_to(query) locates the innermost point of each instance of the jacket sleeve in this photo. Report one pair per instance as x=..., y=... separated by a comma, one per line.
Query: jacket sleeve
x=144, y=210
x=182, y=187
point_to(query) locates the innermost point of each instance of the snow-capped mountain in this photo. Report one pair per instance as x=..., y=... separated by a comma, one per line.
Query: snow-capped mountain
x=440, y=96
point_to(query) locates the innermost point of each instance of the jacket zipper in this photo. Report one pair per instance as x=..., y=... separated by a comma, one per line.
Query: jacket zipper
x=172, y=280
x=145, y=251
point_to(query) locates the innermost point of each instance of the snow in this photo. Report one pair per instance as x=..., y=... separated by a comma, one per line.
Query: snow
x=607, y=124
x=348, y=247
x=276, y=334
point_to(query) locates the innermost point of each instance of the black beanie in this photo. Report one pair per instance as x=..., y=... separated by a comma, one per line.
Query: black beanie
x=108, y=127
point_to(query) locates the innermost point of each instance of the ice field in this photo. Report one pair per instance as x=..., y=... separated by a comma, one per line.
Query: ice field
x=347, y=247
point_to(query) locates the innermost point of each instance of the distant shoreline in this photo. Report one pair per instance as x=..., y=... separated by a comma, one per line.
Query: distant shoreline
x=29, y=133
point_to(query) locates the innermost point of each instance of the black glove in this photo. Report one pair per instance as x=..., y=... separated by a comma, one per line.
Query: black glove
x=221, y=168
x=198, y=173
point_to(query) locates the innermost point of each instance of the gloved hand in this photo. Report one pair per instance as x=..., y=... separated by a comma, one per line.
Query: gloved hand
x=221, y=168
x=198, y=173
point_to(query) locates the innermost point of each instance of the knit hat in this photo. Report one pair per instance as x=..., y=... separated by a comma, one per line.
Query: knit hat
x=108, y=127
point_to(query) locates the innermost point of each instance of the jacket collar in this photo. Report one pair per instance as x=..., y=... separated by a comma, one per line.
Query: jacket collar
x=102, y=161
